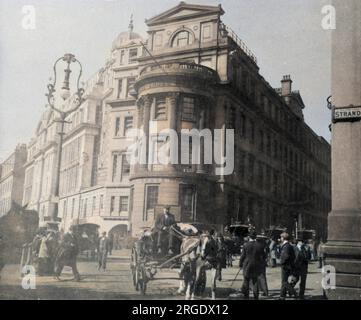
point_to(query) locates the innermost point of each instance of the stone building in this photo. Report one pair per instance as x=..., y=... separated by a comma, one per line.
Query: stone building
x=12, y=179
x=192, y=72
x=205, y=77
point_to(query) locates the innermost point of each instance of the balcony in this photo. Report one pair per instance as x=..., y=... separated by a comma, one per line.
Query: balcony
x=178, y=68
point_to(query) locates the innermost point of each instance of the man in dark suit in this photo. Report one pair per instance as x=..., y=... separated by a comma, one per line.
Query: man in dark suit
x=262, y=278
x=103, y=250
x=287, y=266
x=163, y=226
x=67, y=254
x=252, y=260
x=303, y=256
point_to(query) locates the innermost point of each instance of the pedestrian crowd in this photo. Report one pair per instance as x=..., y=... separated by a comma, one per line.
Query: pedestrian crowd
x=52, y=251
x=293, y=257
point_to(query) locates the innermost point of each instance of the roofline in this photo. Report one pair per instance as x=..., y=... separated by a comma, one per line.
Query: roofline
x=183, y=4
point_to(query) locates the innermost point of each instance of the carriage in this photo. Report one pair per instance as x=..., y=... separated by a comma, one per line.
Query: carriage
x=274, y=233
x=145, y=262
x=234, y=239
x=306, y=234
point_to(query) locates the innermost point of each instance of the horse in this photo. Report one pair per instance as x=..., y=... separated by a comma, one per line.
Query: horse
x=200, y=255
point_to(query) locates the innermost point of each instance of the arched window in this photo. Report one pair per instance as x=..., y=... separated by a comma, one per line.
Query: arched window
x=182, y=39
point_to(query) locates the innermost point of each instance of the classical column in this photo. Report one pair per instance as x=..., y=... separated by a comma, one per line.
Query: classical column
x=200, y=166
x=343, y=248
x=172, y=121
x=173, y=104
x=140, y=110
x=147, y=103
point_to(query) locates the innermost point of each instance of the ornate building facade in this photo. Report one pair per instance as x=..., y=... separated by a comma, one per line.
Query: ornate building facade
x=12, y=179
x=191, y=73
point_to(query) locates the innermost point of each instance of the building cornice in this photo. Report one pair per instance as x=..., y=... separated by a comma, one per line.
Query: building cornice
x=88, y=127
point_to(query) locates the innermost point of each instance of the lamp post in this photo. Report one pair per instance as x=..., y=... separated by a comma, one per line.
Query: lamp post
x=65, y=94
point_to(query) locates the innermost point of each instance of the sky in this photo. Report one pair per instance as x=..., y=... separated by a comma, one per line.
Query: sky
x=286, y=36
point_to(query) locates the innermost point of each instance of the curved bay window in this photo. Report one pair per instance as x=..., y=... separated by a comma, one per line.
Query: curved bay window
x=182, y=39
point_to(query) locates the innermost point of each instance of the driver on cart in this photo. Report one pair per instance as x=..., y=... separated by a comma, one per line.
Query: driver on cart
x=163, y=226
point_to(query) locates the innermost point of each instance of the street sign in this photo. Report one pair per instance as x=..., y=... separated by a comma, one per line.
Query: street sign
x=350, y=113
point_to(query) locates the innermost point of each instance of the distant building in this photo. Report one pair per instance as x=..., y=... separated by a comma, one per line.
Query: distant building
x=191, y=73
x=12, y=179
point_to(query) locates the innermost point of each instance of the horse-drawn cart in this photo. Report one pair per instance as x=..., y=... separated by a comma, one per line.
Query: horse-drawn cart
x=145, y=262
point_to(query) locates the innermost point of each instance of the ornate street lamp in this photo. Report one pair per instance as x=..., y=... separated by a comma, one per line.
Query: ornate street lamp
x=65, y=94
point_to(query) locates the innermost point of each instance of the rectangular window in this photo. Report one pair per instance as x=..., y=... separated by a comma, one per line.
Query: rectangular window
x=160, y=112
x=232, y=118
x=187, y=200
x=275, y=149
x=244, y=81
x=250, y=169
x=128, y=124
x=72, y=208
x=85, y=207
x=115, y=173
x=188, y=112
x=158, y=40
x=242, y=164
x=117, y=126
x=123, y=204
x=182, y=39
x=112, y=205
x=93, y=204
x=261, y=141
x=252, y=128
x=122, y=54
x=101, y=202
x=64, y=210
x=243, y=126
x=269, y=145
x=151, y=200
x=260, y=176
x=133, y=55
x=125, y=166
x=120, y=87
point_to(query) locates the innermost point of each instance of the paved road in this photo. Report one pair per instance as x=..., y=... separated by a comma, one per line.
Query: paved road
x=116, y=283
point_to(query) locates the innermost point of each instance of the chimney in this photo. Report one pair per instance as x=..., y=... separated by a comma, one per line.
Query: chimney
x=286, y=85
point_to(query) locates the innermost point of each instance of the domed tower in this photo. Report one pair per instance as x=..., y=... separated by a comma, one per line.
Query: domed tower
x=175, y=99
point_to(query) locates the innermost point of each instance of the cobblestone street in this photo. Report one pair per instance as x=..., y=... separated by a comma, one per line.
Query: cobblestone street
x=116, y=283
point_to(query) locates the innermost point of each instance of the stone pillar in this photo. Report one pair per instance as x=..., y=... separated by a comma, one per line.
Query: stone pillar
x=173, y=99
x=200, y=166
x=343, y=248
x=146, y=118
x=140, y=115
x=172, y=121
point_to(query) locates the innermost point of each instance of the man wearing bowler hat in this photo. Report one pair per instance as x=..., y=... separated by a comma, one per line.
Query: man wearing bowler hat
x=303, y=256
